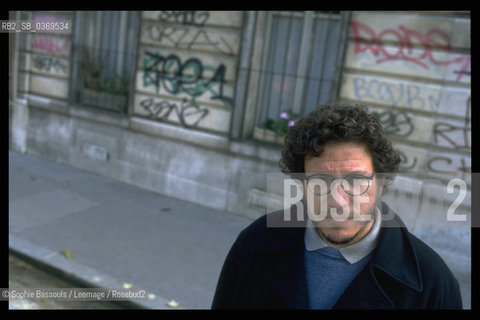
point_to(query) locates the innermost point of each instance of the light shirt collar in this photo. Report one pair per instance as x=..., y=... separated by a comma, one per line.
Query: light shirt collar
x=353, y=253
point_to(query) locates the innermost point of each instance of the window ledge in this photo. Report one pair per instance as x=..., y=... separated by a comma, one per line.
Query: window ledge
x=50, y=104
x=261, y=148
x=254, y=149
x=267, y=135
x=77, y=111
x=175, y=132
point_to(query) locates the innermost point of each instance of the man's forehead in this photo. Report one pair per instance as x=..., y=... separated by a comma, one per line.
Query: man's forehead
x=338, y=166
x=340, y=156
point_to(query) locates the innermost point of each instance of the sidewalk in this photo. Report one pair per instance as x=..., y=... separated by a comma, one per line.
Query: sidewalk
x=118, y=234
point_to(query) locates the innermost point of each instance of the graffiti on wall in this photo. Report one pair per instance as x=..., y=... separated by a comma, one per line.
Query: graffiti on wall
x=184, y=77
x=449, y=166
x=188, y=114
x=49, y=64
x=391, y=93
x=406, y=163
x=457, y=137
x=190, y=39
x=192, y=18
x=51, y=45
x=427, y=50
x=411, y=46
x=395, y=123
x=188, y=67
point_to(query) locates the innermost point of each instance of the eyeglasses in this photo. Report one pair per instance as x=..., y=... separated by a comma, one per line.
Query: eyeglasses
x=353, y=184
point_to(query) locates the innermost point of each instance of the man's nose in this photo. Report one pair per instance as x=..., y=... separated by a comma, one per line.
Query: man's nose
x=338, y=197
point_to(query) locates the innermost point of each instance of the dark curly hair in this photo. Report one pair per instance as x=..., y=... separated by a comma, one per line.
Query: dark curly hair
x=338, y=122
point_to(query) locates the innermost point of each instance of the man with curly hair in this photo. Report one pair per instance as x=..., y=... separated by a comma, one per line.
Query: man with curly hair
x=341, y=246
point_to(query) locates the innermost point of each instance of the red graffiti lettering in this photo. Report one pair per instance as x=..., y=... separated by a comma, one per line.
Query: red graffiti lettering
x=367, y=39
x=50, y=45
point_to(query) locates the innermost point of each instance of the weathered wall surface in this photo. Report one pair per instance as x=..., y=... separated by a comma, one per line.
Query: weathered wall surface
x=174, y=138
x=44, y=59
x=43, y=69
x=187, y=65
x=413, y=69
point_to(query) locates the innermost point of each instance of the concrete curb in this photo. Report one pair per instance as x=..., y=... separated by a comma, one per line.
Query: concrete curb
x=56, y=263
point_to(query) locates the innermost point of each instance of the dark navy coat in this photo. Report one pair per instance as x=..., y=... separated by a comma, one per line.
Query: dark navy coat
x=265, y=270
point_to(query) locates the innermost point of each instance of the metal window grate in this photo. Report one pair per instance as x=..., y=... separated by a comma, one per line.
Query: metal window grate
x=105, y=43
x=302, y=65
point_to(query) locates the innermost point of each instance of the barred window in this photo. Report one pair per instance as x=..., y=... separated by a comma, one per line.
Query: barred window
x=105, y=46
x=300, y=67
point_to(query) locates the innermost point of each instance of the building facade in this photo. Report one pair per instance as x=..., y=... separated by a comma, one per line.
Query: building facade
x=195, y=104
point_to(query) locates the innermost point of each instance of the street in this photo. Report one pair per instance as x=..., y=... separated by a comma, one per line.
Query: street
x=25, y=275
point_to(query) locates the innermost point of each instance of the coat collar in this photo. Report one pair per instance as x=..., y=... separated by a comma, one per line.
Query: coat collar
x=283, y=242
x=395, y=254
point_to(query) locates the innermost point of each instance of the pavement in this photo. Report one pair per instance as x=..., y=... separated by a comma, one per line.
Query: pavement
x=107, y=234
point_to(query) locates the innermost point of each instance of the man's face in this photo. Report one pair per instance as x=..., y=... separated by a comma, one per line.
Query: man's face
x=347, y=219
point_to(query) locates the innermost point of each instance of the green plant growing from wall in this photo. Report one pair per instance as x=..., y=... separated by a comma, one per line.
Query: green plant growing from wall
x=281, y=125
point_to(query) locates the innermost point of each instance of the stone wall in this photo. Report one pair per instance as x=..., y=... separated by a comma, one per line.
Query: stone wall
x=174, y=138
x=44, y=59
x=187, y=67
x=413, y=69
